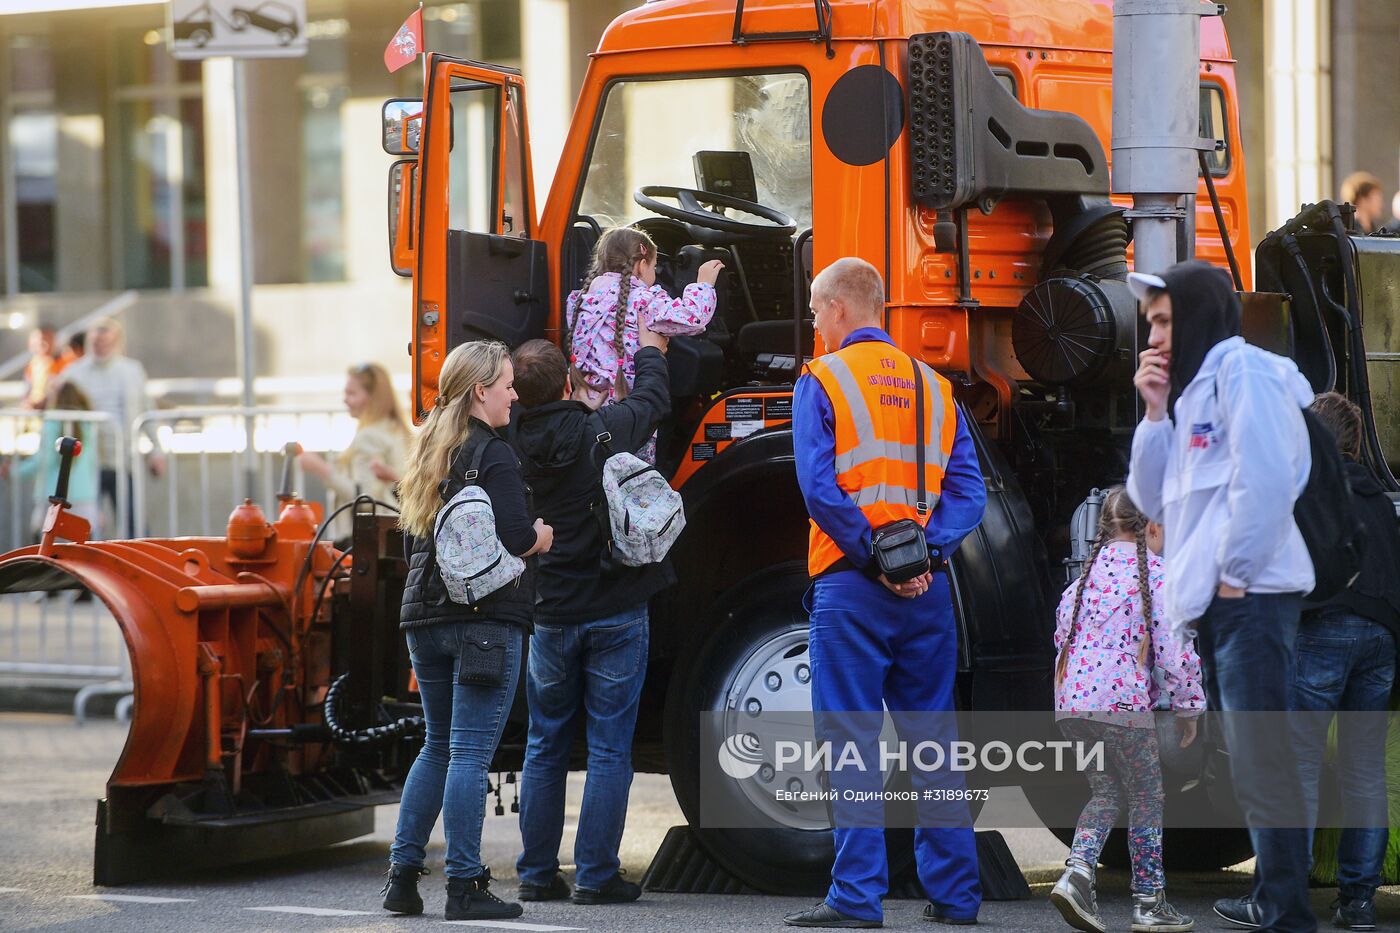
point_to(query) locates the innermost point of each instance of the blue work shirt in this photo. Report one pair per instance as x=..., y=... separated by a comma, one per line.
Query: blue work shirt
x=960, y=505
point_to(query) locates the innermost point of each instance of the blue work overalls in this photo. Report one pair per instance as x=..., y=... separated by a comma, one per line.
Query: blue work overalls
x=868, y=646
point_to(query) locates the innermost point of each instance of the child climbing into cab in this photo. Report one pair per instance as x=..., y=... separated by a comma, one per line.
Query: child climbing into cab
x=602, y=316
x=1114, y=646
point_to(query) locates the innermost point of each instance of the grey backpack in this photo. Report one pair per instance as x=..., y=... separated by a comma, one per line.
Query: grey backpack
x=644, y=514
x=471, y=560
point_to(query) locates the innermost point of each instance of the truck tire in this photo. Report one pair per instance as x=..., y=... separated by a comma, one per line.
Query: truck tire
x=757, y=629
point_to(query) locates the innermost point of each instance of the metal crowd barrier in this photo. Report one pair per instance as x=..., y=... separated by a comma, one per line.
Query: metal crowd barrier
x=66, y=638
x=211, y=467
x=70, y=639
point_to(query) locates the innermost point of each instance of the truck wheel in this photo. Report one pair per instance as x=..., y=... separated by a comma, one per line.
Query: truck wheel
x=755, y=657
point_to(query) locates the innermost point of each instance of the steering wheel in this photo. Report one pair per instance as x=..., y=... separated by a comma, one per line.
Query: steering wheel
x=693, y=214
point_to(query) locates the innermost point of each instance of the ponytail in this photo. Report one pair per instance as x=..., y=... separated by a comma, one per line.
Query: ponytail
x=1145, y=594
x=1062, y=662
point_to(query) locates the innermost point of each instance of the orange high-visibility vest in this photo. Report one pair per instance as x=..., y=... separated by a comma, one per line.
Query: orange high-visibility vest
x=871, y=388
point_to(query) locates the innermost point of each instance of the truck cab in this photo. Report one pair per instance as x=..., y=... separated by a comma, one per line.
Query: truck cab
x=960, y=148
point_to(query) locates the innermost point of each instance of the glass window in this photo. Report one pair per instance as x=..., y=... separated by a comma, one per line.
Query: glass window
x=650, y=131
x=160, y=213
x=34, y=149
x=32, y=156
x=471, y=173
x=1214, y=126
x=323, y=95
x=515, y=215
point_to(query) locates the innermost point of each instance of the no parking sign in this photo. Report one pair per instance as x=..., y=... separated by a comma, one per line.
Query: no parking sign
x=238, y=28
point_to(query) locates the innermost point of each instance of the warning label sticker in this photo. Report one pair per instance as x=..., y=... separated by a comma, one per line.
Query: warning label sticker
x=778, y=409
x=717, y=432
x=743, y=409
x=744, y=428
x=702, y=451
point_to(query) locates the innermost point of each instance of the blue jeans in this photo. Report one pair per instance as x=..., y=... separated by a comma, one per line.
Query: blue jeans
x=464, y=727
x=1247, y=661
x=869, y=646
x=594, y=671
x=1346, y=663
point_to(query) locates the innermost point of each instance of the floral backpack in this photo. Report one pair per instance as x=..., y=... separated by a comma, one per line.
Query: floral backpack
x=470, y=559
x=643, y=514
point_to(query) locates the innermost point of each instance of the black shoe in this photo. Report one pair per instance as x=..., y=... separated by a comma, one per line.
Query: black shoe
x=400, y=892
x=616, y=890
x=824, y=915
x=471, y=899
x=556, y=890
x=1239, y=911
x=934, y=914
x=1354, y=914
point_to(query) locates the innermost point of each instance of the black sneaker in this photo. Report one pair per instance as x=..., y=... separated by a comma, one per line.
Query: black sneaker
x=556, y=890
x=1354, y=914
x=824, y=915
x=616, y=890
x=471, y=899
x=1238, y=911
x=400, y=892
x=934, y=914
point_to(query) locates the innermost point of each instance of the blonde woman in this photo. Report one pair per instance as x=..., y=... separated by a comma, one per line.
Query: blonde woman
x=464, y=720
x=375, y=458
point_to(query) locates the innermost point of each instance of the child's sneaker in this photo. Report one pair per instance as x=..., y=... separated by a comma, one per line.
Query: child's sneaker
x=1152, y=914
x=1075, y=897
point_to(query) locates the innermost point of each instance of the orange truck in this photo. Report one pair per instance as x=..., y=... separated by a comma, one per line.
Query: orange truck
x=963, y=147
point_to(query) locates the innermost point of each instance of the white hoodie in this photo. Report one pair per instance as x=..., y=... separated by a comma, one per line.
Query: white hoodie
x=1222, y=481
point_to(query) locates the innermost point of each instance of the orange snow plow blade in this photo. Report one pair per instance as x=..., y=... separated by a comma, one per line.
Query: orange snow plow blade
x=233, y=644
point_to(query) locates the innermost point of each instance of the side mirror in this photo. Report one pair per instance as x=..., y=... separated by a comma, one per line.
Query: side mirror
x=403, y=216
x=403, y=126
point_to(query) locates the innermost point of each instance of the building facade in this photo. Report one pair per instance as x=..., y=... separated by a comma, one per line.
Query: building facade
x=117, y=169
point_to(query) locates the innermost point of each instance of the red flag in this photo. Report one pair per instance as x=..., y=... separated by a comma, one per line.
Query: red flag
x=406, y=44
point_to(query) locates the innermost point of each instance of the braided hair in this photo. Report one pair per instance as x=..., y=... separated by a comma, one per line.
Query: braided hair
x=618, y=251
x=1117, y=517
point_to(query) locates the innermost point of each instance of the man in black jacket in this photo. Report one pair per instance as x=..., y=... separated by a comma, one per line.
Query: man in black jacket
x=1346, y=664
x=588, y=653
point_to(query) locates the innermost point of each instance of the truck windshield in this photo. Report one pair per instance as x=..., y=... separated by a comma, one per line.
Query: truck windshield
x=650, y=131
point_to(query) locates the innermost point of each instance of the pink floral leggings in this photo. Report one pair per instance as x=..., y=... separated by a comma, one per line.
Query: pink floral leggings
x=1132, y=769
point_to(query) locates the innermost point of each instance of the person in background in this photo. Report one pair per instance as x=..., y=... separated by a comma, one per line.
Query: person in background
x=464, y=720
x=42, y=467
x=1112, y=638
x=44, y=364
x=75, y=348
x=1346, y=664
x=115, y=384
x=375, y=459
x=1363, y=191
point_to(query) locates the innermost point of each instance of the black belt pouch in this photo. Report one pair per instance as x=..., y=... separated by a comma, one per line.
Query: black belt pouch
x=900, y=550
x=483, y=659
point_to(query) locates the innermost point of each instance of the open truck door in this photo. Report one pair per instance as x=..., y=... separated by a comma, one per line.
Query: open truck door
x=469, y=230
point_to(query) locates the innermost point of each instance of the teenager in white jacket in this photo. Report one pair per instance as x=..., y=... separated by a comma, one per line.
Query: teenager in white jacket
x=1219, y=460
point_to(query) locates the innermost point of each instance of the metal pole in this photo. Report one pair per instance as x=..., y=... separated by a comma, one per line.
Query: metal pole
x=244, y=330
x=1156, y=117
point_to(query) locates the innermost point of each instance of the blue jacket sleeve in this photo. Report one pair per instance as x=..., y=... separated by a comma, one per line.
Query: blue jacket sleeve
x=814, y=446
x=964, y=496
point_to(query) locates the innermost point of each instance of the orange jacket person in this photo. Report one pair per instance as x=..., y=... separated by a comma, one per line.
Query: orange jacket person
x=872, y=641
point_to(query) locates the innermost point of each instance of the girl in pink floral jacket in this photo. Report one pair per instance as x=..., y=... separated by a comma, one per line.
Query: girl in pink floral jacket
x=601, y=317
x=1112, y=638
